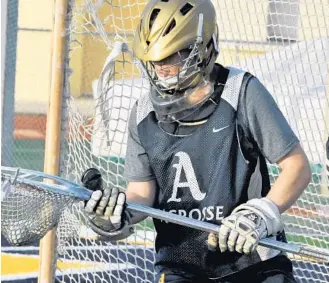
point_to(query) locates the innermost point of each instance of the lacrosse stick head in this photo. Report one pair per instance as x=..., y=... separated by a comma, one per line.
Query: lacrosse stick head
x=30, y=207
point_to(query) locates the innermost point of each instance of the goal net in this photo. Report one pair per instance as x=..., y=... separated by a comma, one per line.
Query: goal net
x=285, y=43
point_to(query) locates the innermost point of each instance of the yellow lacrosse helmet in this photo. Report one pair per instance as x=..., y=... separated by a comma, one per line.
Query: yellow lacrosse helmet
x=180, y=33
x=171, y=26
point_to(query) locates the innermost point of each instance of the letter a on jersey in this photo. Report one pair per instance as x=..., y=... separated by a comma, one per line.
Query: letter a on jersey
x=184, y=163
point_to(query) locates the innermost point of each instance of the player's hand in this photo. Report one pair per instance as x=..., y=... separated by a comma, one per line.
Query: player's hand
x=247, y=224
x=105, y=209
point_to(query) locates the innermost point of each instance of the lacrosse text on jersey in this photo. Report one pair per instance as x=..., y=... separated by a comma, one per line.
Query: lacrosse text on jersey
x=206, y=213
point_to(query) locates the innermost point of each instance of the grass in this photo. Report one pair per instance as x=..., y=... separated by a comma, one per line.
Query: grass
x=309, y=240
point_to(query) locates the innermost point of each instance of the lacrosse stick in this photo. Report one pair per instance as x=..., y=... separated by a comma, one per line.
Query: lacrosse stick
x=30, y=207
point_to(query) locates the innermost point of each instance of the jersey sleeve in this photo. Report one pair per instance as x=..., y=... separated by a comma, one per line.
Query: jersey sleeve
x=137, y=165
x=265, y=122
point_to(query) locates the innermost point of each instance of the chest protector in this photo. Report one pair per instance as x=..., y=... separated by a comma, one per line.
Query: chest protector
x=202, y=176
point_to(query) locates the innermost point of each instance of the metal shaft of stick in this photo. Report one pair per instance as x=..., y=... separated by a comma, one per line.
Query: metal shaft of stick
x=209, y=227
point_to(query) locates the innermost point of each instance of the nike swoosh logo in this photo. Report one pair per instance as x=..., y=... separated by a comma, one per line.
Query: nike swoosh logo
x=214, y=130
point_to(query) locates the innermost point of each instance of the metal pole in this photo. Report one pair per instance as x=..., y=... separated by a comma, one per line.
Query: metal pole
x=52, y=149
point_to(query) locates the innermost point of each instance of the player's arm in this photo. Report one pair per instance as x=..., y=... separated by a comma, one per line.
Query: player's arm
x=294, y=177
x=138, y=172
x=141, y=193
x=275, y=140
x=260, y=218
x=106, y=210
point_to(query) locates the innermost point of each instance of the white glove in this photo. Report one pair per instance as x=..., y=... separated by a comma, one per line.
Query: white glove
x=247, y=224
x=106, y=214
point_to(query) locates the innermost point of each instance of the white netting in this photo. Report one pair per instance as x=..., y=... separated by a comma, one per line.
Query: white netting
x=284, y=43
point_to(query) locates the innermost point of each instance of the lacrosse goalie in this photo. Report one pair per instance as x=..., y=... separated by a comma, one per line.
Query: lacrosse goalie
x=198, y=145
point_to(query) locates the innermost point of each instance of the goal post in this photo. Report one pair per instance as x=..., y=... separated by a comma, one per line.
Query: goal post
x=47, y=259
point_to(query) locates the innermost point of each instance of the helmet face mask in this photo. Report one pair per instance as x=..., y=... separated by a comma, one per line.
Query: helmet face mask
x=174, y=74
x=176, y=44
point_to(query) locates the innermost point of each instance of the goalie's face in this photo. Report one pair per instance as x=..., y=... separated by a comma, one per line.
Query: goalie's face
x=169, y=70
x=165, y=69
x=172, y=74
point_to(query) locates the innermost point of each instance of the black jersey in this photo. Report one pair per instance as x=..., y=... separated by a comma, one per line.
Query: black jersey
x=203, y=176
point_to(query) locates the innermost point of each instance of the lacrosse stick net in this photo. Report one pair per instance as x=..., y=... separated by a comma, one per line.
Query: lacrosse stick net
x=30, y=207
